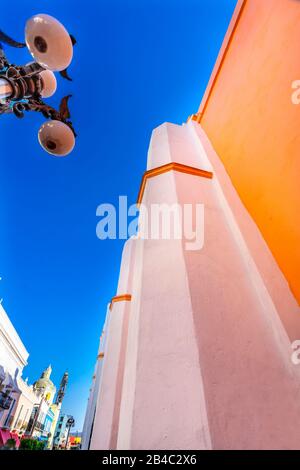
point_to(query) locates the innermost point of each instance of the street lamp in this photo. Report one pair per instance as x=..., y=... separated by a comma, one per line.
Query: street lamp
x=22, y=88
x=70, y=424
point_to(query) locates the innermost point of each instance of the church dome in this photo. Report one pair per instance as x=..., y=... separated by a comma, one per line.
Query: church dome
x=45, y=385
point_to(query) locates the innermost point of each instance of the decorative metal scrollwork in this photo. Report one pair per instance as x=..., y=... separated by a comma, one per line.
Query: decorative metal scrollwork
x=22, y=88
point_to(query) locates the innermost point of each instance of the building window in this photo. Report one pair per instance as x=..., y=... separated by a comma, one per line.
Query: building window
x=9, y=418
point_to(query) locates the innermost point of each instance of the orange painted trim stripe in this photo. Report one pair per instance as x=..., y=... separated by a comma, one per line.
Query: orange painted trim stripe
x=120, y=298
x=100, y=355
x=222, y=56
x=190, y=170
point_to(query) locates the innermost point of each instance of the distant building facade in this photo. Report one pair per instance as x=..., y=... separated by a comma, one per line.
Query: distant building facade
x=56, y=408
x=74, y=441
x=45, y=412
x=25, y=409
x=26, y=402
x=13, y=358
x=61, y=432
x=45, y=391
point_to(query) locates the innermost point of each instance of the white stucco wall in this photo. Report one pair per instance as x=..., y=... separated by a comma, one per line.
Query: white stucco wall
x=13, y=358
x=13, y=353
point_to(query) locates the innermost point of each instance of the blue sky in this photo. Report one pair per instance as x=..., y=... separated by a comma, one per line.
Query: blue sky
x=137, y=64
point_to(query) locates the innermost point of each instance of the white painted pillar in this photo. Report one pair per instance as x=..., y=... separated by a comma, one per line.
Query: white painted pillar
x=163, y=404
x=94, y=390
x=106, y=420
x=208, y=362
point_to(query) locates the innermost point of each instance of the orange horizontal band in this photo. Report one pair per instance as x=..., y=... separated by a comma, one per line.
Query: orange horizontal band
x=120, y=298
x=100, y=355
x=169, y=167
x=194, y=117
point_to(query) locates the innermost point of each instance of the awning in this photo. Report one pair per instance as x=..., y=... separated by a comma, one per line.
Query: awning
x=5, y=434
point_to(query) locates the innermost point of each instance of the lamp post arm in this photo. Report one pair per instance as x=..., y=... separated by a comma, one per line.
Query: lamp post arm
x=48, y=112
x=11, y=42
x=37, y=105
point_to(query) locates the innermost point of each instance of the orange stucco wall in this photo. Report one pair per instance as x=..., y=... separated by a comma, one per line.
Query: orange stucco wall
x=249, y=116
